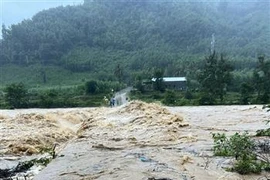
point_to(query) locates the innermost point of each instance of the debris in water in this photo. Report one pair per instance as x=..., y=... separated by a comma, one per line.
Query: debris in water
x=101, y=146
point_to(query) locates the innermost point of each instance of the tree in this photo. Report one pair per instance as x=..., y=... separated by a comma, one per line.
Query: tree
x=261, y=79
x=101, y=34
x=215, y=76
x=139, y=83
x=91, y=87
x=16, y=95
x=49, y=99
x=170, y=98
x=43, y=75
x=158, y=80
x=118, y=72
x=246, y=90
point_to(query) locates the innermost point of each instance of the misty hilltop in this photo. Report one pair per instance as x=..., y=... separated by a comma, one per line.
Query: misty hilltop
x=139, y=35
x=13, y=12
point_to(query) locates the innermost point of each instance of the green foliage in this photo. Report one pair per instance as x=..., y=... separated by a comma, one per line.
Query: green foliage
x=170, y=98
x=108, y=86
x=246, y=91
x=139, y=84
x=247, y=166
x=16, y=95
x=100, y=35
x=54, y=98
x=94, y=87
x=91, y=87
x=239, y=77
x=118, y=72
x=241, y=146
x=221, y=145
x=207, y=99
x=237, y=145
x=263, y=132
x=157, y=96
x=108, y=41
x=188, y=94
x=24, y=166
x=215, y=76
x=261, y=79
x=243, y=149
x=158, y=82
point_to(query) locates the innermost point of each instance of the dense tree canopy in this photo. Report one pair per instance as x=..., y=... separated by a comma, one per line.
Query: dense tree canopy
x=139, y=35
x=215, y=76
x=16, y=95
x=261, y=79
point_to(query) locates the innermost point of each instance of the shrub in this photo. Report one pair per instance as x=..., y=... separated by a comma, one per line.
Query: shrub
x=221, y=145
x=238, y=145
x=48, y=99
x=241, y=146
x=170, y=98
x=248, y=165
x=188, y=95
x=206, y=99
x=183, y=102
x=156, y=96
x=243, y=149
x=246, y=91
x=263, y=132
x=16, y=95
x=91, y=87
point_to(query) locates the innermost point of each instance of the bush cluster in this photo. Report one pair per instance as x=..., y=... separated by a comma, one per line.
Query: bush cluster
x=251, y=156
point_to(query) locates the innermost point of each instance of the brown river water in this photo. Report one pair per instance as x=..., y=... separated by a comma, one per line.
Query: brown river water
x=132, y=141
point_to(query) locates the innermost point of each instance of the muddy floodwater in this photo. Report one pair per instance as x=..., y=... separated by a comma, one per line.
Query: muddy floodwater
x=132, y=141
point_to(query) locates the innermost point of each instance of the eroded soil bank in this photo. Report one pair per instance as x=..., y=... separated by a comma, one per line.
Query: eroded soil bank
x=134, y=141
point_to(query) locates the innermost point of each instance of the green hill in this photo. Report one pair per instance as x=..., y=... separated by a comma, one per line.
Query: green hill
x=73, y=43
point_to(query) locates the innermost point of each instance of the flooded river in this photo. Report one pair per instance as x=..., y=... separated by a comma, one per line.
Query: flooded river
x=132, y=141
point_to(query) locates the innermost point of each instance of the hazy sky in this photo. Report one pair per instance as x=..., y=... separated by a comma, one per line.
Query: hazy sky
x=14, y=11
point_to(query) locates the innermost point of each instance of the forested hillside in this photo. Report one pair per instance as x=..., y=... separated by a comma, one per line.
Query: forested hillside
x=106, y=39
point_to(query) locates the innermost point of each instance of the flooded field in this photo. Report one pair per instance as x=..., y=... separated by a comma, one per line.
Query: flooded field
x=133, y=141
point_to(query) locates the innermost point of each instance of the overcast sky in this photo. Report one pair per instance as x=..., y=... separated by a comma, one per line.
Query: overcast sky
x=14, y=11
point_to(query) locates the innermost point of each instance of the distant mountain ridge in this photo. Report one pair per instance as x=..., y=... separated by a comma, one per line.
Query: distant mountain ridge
x=139, y=35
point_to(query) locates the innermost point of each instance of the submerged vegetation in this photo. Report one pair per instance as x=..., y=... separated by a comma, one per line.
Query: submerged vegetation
x=263, y=132
x=252, y=156
x=24, y=166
